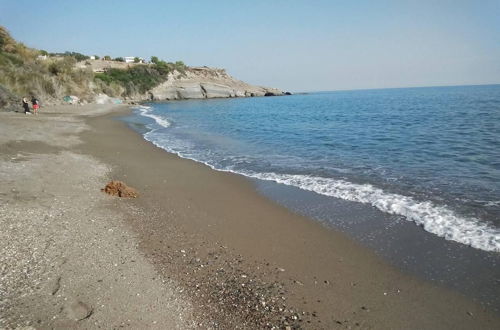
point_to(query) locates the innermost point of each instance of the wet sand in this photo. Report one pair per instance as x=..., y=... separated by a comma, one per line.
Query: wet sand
x=321, y=278
x=229, y=256
x=400, y=242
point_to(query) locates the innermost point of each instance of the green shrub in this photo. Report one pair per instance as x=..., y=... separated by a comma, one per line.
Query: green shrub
x=77, y=56
x=81, y=76
x=137, y=79
x=163, y=68
x=104, y=77
x=10, y=59
x=180, y=66
x=65, y=65
x=48, y=87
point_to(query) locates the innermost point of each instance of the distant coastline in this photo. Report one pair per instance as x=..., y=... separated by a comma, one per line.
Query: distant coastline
x=76, y=78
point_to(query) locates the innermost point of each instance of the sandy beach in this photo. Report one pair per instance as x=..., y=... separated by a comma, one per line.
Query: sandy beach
x=197, y=248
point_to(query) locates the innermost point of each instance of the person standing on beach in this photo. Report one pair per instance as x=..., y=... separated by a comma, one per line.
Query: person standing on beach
x=26, y=106
x=35, y=103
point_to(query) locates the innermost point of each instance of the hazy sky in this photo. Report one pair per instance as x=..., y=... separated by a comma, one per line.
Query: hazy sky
x=293, y=45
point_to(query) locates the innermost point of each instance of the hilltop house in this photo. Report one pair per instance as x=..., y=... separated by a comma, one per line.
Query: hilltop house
x=130, y=59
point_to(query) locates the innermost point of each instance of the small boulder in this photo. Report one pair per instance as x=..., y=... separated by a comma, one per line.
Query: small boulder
x=120, y=189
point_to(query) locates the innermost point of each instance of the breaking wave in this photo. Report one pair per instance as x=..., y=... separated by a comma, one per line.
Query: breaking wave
x=146, y=112
x=436, y=219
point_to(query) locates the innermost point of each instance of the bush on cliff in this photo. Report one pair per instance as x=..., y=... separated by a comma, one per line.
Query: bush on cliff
x=77, y=56
x=139, y=79
x=63, y=66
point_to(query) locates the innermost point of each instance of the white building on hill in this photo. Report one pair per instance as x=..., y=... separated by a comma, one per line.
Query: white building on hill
x=130, y=59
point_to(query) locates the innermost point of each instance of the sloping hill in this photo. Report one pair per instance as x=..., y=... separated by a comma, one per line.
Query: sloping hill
x=26, y=71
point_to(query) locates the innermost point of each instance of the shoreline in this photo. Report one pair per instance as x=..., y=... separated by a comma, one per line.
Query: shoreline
x=306, y=250
x=399, y=242
x=403, y=243
x=244, y=260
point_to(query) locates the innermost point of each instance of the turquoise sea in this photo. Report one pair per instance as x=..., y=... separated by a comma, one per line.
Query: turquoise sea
x=423, y=159
x=431, y=155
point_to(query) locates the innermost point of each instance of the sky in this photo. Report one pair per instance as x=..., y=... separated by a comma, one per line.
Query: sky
x=293, y=45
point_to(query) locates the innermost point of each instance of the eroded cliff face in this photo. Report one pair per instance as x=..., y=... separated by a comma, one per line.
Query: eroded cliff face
x=204, y=82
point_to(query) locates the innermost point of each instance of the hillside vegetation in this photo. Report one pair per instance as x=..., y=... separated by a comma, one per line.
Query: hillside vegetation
x=24, y=73
x=51, y=77
x=139, y=79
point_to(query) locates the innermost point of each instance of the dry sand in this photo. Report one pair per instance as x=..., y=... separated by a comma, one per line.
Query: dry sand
x=67, y=259
x=196, y=248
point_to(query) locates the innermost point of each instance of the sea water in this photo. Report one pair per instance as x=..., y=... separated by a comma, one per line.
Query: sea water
x=428, y=155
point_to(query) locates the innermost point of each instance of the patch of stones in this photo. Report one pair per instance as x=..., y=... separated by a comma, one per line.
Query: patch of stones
x=229, y=297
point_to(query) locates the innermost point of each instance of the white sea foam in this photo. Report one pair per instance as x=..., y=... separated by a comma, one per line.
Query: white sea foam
x=146, y=112
x=492, y=203
x=438, y=220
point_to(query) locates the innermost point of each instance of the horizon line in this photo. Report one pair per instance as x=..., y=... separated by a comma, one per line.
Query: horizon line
x=402, y=87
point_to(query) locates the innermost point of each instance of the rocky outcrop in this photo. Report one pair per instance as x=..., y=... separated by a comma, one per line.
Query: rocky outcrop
x=216, y=90
x=204, y=82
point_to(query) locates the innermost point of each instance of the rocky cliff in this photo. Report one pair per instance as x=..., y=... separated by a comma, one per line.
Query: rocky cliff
x=204, y=82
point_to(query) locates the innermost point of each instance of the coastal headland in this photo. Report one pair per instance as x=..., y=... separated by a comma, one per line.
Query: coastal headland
x=74, y=78
x=196, y=249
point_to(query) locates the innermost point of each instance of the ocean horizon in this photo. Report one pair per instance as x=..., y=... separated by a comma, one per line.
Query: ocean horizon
x=396, y=87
